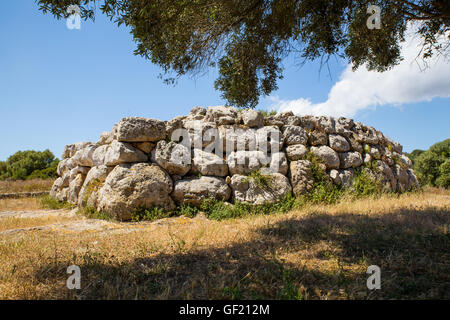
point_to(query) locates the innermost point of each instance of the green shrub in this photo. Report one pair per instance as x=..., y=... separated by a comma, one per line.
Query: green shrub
x=92, y=213
x=430, y=166
x=365, y=185
x=149, y=214
x=48, y=202
x=29, y=164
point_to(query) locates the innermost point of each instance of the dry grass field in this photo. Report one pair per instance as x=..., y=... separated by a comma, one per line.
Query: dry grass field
x=34, y=185
x=316, y=252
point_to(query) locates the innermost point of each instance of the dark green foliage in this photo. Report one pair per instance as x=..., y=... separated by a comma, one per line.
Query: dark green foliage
x=248, y=39
x=29, y=164
x=432, y=166
x=324, y=190
x=149, y=214
x=414, y=154
x=365, y=185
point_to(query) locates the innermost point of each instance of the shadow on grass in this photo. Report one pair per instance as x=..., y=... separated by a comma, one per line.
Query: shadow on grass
x=326, y=254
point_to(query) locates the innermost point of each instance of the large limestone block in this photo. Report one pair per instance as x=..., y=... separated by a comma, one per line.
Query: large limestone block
x=120, y=152
x=365, y=134
x=246, y=189
x=296, y=152
x=269, y=138
x=84, y=157
x=252, y=118
x=301, y=176
x=338, y=143
x=236, y=138
x=318, y=138
x=209, y=164
x=132, y=186
x=294, y=135
x=199, y=133
x=95, y=179
x=74, y=188
x=138, y=129
x=343, y=177
x=193, y=191
x=65, y=166
x=350, y=160
x=71, y=149
x=173, y=157
x=222, y=115
x=326, y=124
x=244, y=162
x=329, y=157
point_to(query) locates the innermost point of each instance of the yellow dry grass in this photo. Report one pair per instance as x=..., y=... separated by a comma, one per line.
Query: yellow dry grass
x=318, y=252
x=33, y=185
x=21, y=204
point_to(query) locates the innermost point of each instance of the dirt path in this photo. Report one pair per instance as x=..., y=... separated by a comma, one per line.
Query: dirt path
x=83, y=224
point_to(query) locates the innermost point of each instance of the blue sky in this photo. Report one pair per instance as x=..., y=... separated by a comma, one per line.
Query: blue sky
x=60, y=86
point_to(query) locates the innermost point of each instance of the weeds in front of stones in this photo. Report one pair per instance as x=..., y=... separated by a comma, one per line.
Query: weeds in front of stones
x=48, y=202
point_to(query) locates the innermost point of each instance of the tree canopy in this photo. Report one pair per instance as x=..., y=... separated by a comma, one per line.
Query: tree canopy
x=433, y=166
x=247, y=40
x=29, y=164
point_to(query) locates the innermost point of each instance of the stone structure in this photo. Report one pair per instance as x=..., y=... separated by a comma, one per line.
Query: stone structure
x=212, y=153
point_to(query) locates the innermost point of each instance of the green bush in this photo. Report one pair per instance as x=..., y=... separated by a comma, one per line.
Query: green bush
x=365, y=185
x=431, y=166
x=149, y=214
x=48, y=202
x=29, y=164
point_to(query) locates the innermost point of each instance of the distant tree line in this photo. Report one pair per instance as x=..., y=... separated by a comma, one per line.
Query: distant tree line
x=432, y=167
x=30, y=164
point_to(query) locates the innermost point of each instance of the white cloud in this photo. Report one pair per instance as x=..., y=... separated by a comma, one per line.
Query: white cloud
x=407, y=82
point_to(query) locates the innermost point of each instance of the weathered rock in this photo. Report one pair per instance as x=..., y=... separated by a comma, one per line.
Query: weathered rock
x=246, y=189
x=364, y=134
x=350, y=160
x=94, y=181
x=329, y=157
x=271, y=121
x=74, y=188
x=193, y=191
x=84, y=157
x=221, y=115
x=71, y=149
x=245, y=162
x=238, y=138
x=326, y=124
x=174, y=124
x=269, y=139
x=252, y=118
x=106, y=138
x=120, y=152
x=197, y=113
x=145, y=147
x=138, y=129
x=199, y=133
x=65, y=166
x=338, y=143
x=209, y=164
x=173, y=157
x=294, y=135
x=278, y=163
x=132, y=186
x=301, y=176
x=317, y=138
x=343, y=178
x=296, y=152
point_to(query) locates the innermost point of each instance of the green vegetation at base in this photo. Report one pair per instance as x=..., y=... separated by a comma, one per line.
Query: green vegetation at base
x=30, y=164
x=48, y=202
x=432, y=167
